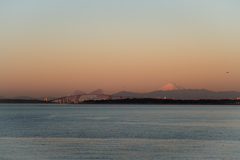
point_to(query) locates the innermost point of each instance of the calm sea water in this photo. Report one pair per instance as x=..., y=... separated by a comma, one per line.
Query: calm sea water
x=48, y=132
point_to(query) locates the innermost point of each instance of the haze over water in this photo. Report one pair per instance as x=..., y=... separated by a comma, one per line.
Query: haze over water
x=119, y=132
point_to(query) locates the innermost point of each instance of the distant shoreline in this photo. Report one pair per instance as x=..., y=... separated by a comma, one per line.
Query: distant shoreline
x=133, y=101
x=20, y=101
x=166, y=101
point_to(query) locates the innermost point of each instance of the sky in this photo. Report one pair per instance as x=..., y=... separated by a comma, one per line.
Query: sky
x=53, y=47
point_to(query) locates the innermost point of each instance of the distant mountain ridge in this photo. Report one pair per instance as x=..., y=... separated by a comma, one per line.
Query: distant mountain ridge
x=184, y=94
x=1, y=97
x=172, y=90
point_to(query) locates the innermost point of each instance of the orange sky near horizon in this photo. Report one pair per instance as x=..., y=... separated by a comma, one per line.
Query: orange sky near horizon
x=52, y=49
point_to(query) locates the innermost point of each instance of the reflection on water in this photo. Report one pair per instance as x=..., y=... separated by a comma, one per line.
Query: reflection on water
x=119, y=132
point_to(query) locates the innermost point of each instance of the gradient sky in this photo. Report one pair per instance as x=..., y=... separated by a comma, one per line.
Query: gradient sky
x=53, y=47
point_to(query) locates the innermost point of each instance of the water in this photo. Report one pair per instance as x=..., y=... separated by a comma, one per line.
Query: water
x=47, y=132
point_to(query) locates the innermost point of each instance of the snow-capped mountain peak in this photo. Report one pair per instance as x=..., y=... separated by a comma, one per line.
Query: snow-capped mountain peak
x=170, y=87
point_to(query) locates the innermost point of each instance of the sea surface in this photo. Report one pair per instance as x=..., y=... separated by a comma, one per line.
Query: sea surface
x=57, y=132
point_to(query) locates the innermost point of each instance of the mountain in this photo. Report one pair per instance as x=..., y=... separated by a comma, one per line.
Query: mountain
x=23, y=97
x=175, y=91
x=183, y=94
x=170, y=87
x=1, y=97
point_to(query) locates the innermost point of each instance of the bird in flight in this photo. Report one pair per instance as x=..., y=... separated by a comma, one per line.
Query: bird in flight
x=227, y=72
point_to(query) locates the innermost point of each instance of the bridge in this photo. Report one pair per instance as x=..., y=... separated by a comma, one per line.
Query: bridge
x=78, y=94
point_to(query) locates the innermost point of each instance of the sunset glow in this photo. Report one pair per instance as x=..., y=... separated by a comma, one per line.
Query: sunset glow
x=51, y=48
